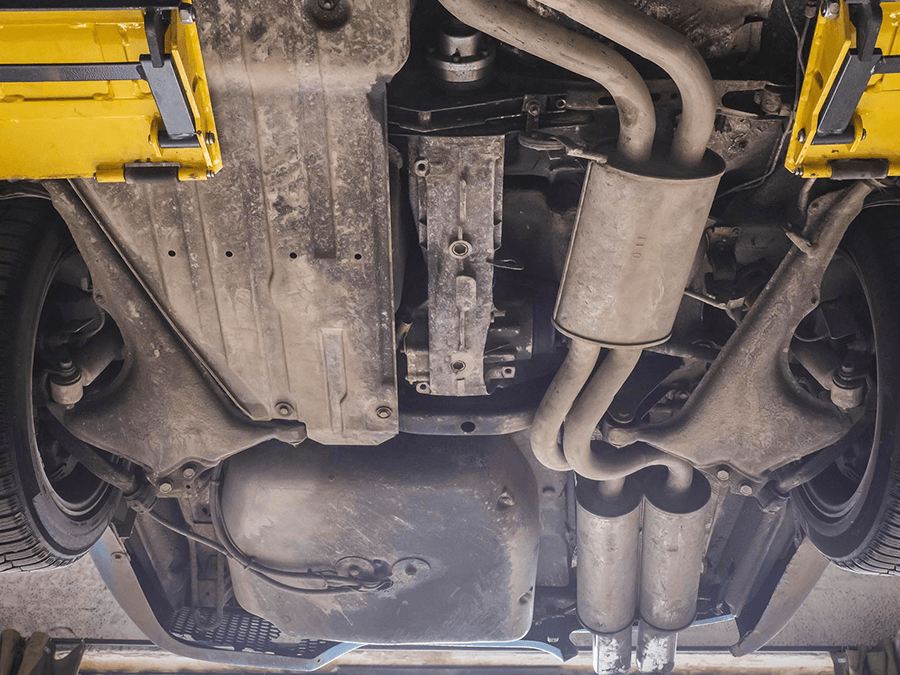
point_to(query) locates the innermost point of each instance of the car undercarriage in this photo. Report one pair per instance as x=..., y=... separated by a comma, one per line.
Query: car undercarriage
x=487, y=322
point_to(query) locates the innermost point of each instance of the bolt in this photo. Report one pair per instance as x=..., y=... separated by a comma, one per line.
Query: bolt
x=830, y=9
x=745, y=489
x=353, y=571
x=98, y=298
x=165, y=487
x=383, y=412
x=801, y=136
x=187, y=13
x=328, y=5
x=284, y=408
x=723, y=474
x=552, y=639
x=66, y=364
x=118, y=555
x=189, y=471
x=798, y=171
x=505, y=501
x=533, y=107
x=210, y=138
x=210, y=173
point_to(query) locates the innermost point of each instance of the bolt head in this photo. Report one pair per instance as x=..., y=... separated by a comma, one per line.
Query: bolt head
x=801, y=136
x=210, y=138
x=383, y=412
x=284, y=409
x=746, y=489
x=723, y=474
x=505, y=502
x=533, y=108
x=165, y=487
x=830, y=9
x=189, y=472
x=187, y=13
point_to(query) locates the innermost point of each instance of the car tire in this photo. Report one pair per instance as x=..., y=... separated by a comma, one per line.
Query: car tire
x=862, y=534
x=38, y=528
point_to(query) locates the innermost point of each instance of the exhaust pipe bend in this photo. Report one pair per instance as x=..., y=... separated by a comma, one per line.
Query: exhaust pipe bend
x=567, y=384
x=523, y=29
x=667, y=48
x=612, y=468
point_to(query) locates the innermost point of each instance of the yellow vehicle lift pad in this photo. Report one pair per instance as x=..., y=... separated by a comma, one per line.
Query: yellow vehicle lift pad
x=848, y=116
x=114, y=92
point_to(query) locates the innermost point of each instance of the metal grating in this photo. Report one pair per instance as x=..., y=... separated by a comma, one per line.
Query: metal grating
x=242, y=631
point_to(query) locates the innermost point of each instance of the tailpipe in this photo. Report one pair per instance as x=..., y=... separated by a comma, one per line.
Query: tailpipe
x=609, y=532
x=674, y=542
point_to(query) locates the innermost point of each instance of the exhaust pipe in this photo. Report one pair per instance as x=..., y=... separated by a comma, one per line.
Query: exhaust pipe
x=673, y=546
x=646, y=227
x=609, y=539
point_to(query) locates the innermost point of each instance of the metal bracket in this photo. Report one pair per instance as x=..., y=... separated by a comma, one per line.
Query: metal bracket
x=749, y=412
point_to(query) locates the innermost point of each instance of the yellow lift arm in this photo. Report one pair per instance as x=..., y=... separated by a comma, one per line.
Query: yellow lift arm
x=848, y=116
x=117, y=92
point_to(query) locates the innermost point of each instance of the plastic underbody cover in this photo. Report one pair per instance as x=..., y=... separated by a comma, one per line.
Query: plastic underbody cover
x=450, y=524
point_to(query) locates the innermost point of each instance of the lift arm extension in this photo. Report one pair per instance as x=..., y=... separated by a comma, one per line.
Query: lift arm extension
x=849, y=108
x=117, y=91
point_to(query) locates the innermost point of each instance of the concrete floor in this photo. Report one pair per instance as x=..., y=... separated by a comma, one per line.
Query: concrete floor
x=844, y=610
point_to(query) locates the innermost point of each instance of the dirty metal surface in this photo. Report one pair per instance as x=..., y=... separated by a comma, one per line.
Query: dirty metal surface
x=446, y=529
x=164, y=409
x=278, y=272
x=748, y=411
x=456, y=188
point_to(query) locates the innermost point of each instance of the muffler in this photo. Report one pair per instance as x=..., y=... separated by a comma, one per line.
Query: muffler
x=635, y=240
x=673, y=546
x=609, y=532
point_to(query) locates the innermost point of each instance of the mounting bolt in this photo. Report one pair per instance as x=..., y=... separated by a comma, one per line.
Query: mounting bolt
x=830, y=9
x=383, y=412
x=187, y=13
x=533, y=107
x=328, y=5
x=189, y=471
x=165, y=486
x=284, y=409
x=723, y=474
x=798, y=171
x=745, y=489
x=801, y=136
x=210, y=138
x=505, y=501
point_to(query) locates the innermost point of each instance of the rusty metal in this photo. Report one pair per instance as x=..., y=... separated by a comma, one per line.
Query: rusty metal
x=748, y=411
x=456, y=188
